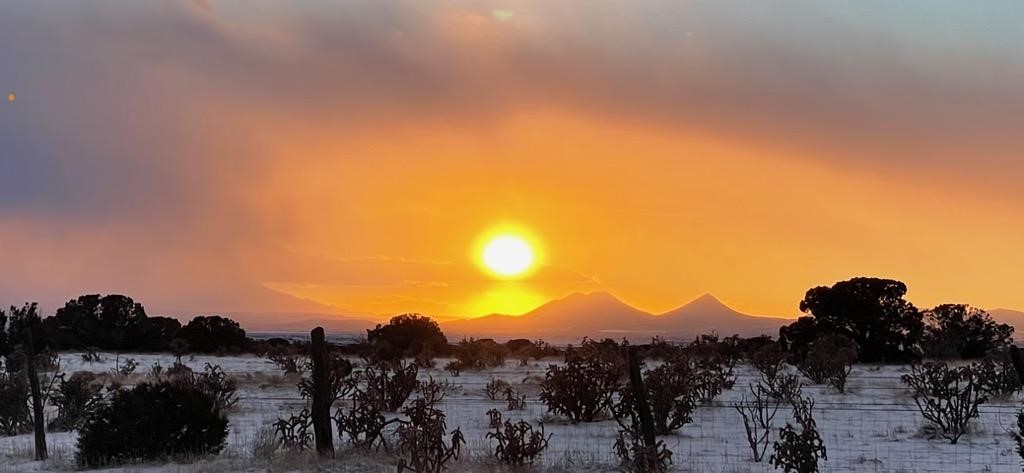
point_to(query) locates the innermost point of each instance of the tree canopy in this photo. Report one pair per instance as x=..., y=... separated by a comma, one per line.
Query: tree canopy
x=870, y=311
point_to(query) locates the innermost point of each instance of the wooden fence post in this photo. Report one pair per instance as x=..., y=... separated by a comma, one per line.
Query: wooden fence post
x=643, y=409
x=322, y=401
x=39, y=425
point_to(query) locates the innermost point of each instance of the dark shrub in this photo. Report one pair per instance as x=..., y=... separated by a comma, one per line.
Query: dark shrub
x=634, y=457
x=76, y=398
x=15, y=416
x=406, y=335
x=998, y=376
x=215, y=384
x=213, y=334
x=494, y=387
x=583, y=388
x=518, y=443
x=799, y=447
x=948, y=397
x=421, y=440
x=288, y=359
x=770, y=362
x=338, y=371
x=295, y=433
x=387, y=385
x=829, y=360
x=152, y=421
x=479, y=354
x=961, y=331
x=671, y=393
x=362, y=424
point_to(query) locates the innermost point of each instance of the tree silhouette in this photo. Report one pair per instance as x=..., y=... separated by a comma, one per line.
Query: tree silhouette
x=870, y=311
x=213, y=333
x=107, y=322
x=958, y=330
x=407, y=335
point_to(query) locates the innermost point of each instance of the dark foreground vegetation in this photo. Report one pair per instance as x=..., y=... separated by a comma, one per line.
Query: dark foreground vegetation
x=377, y=399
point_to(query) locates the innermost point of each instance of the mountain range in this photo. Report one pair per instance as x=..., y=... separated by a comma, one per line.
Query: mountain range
x=597, y=315
x=600, y=314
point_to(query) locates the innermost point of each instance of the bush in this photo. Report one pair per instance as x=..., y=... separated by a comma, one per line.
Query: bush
x=125, y=369
x=338, y=371
x=714, y=362
x=76, y=398
x=153, y=421
x=998, y=376
x=514, y=401
x=494, y=418
x=948, y=398
x=758, y=412
x=215, y=384
x=288, y=359
x=671, y=393
x=433, y=392
x=454, y=368
x=634, y=457
x=581, y=389
x=518, y=443
x=787, y=388
x=799, y=450
x=479, y=354
x=406, y=335
x=961, y=331
x=1018, y=435
x=495, y=387
x=15, y=415
x=829, y=360
x=421, y=440
x=362, y=424
x=388, y=385
x=770, y=363
x=294, y=433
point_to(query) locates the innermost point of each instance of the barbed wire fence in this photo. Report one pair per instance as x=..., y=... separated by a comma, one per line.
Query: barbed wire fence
x=874, y=427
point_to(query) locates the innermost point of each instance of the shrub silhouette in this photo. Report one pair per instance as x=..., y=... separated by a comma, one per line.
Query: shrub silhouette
x=671, y=393
x=829, y=360
x=581, y=389
x=948, y=397
x=406, y=335
x=153, y=421
x=479, y=354
x=961, y=331
x=76, y=398
x=15, y=416
x=799, y=450
x=421, y=440
x=518, y=443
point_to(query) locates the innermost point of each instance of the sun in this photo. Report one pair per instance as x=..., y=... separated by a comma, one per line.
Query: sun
x=508, y=256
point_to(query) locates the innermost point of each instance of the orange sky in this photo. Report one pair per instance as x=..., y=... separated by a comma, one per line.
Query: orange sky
x=210, y=156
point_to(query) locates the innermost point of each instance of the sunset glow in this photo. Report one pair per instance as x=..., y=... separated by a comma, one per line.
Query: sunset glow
x=462, y=158
x=507, y=256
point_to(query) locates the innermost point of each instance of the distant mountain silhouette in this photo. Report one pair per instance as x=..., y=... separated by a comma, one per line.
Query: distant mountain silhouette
x=1015, y=318
x=601, y=314
x=708, y=314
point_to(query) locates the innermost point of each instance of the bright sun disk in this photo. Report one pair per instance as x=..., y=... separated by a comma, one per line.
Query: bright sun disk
x=508, y=255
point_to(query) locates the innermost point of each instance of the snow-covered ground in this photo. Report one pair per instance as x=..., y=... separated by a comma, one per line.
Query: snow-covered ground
x=874, y=427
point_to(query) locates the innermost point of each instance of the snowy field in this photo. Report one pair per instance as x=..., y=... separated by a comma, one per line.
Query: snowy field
x=874, y=427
